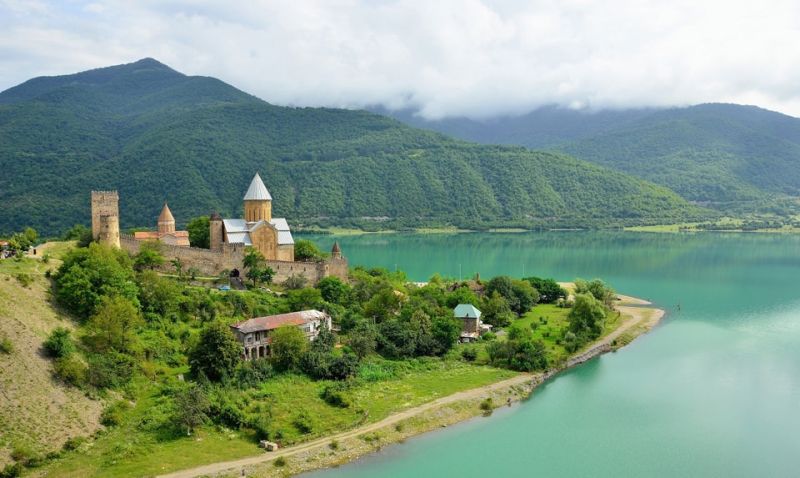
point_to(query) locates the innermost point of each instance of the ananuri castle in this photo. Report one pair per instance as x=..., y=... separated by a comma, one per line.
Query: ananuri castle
x=228, y=238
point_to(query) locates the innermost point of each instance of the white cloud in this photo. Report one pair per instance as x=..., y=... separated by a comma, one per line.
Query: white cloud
x=471, y=57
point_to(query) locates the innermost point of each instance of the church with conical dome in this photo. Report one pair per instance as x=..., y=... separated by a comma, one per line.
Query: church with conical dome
x=269, y=235
x=165, y=232
x=229, y=239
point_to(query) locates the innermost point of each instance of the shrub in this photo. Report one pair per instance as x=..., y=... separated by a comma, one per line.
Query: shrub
x=6, y=346
x=71, y=370
x=488, y=336
x=280, y=461
x=469, y=354
x=486, y=404
x=303, y=422
x=333, y=445
x=73, y=443
x=12, y=470
x=114, y=413
x=21, y=454
x=343, y=367
x=59, y=343
x=295, y=281
x=262, y=424
x=110, y=370
x=225, y=411
x=335, y=394
x=24, y=279
x=252, y=373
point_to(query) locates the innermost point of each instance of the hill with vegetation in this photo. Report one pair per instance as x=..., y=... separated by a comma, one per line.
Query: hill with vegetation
x=733, y=158
x=155, y=134
x=38, y=414
x=170, y=390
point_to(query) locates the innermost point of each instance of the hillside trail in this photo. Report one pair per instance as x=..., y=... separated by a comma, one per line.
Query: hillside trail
x=635, y=315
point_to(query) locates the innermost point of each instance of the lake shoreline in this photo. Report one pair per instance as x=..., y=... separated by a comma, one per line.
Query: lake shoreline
x=348, y=446
x=658, y=229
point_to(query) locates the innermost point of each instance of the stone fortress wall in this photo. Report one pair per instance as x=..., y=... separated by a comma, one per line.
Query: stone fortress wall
x=231, y=256
x=209, y=262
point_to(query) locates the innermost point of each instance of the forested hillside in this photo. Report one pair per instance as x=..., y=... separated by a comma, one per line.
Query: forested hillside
x=155, y=134
x=734, y=158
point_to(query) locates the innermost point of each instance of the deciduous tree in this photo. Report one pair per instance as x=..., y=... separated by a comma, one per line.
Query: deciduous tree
x=198, y=229
x=288, y=345
x=216, y=353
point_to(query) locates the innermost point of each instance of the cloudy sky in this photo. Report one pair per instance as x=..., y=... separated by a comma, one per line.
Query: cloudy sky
x=476, y=58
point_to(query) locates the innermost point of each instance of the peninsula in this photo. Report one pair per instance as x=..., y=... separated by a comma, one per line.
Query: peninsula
x=163, y=371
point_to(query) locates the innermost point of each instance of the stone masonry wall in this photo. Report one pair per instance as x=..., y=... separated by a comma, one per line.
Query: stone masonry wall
x=212, y=263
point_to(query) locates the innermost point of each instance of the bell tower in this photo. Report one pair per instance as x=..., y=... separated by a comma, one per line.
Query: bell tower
x=257, y=202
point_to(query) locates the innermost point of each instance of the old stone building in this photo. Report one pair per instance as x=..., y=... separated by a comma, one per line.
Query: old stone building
x=105, y=217
x=165, y=231
x=255, y=334
x=229, y=239
x=471, y=325
x=270, y=236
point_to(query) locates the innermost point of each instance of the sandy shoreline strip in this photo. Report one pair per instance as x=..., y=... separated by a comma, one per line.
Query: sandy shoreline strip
x=350, y=445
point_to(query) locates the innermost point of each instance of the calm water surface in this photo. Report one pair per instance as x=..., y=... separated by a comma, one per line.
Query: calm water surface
x=713, y=391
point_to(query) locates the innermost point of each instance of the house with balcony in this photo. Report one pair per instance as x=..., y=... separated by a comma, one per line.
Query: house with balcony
x=255, y=334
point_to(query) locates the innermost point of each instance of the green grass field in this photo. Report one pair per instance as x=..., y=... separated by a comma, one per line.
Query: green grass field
x=132, y=449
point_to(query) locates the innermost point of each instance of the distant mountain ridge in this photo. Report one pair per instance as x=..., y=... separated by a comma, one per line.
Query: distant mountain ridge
x=731, y=157
x=155, y=134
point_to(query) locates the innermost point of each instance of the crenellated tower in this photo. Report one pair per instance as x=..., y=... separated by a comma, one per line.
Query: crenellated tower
x=105, y=217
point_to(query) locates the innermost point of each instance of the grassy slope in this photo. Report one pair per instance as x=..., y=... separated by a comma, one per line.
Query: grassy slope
x=37, y=413
x=127, y=451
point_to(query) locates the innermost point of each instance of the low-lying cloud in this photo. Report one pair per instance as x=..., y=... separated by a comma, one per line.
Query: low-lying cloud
x=446, y=58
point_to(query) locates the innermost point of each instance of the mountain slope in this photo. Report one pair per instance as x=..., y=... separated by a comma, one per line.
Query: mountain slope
x=155, y=134
x=712, y=153
x=731, y=157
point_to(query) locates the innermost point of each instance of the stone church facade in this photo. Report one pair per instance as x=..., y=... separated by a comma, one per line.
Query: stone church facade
x=258, y=229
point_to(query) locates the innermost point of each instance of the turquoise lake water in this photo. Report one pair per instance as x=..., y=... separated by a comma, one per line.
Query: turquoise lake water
x=714, y=391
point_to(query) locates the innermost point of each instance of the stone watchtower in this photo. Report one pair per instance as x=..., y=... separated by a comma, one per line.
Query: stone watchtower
x=105, y=217
x=215, y=232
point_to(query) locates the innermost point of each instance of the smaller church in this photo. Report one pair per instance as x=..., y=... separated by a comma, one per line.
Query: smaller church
x=165, y=232
x=269, y=235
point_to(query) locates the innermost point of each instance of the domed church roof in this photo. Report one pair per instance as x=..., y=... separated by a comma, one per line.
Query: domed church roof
x=257, y=191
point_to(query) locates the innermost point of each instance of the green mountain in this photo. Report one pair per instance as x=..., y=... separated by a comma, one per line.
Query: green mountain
x=731, y=157
x=155, y=134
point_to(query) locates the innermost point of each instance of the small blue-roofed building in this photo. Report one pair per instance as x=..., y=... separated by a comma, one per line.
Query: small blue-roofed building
x=471, y=325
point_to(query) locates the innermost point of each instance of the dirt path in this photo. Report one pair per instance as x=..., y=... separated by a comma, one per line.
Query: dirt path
x=636, y=316
x=388, y=421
